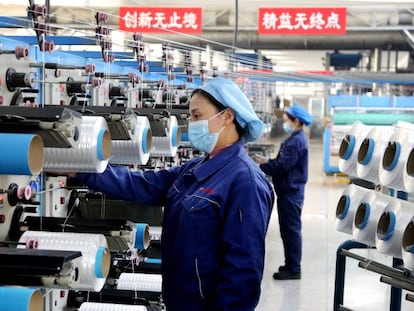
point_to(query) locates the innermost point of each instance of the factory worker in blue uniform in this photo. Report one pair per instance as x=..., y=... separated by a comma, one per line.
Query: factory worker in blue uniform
x=216, y=207
x=289, y=172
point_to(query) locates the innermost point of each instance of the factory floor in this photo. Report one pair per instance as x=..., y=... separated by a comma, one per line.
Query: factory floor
x=315, y=291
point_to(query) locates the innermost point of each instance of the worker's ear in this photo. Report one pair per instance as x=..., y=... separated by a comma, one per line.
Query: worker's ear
x=297, y=123
x=228, y=115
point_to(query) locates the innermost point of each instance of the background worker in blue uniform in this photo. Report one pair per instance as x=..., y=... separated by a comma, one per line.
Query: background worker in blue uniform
x=289, y=172
x=217, y=207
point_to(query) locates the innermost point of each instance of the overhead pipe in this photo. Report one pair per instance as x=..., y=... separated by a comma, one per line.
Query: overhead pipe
x=248, y=39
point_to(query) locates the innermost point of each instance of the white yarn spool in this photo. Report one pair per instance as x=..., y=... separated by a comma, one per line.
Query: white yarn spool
x=370, y=152
x=346, y=206
x=137, y=150
x=95, y=306
x=391, y=226
x=394, y=158
x=408, y=172
x=95, y=261
x=366, y=216
x=349, y=147
x=408, y=245
x=140, y=282
x=167, y=145
x=91, y=154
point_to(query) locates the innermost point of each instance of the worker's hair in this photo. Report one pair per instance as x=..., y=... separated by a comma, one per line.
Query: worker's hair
x=220, y=107
x=292, y=118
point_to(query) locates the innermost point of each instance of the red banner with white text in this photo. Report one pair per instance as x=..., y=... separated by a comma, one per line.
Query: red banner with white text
x=302, y=21
x=160, y=19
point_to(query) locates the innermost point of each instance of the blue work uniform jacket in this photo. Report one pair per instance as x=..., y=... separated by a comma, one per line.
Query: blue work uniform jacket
x=289, y=170
x=215, y=220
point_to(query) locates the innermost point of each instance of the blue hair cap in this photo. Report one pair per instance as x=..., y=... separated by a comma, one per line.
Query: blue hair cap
x=228, y=93
x=299, y=113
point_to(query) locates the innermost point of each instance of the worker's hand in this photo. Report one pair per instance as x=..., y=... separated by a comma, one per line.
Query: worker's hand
x=260, y=159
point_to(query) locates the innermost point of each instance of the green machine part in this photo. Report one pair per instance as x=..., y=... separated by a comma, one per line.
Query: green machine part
x=372, y=118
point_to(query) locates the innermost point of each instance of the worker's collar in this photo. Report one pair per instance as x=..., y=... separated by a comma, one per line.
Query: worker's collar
x=295, y=132
x=207, y=168
x=216, y=151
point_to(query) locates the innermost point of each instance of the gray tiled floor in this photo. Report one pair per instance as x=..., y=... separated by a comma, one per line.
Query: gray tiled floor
x=315, y=291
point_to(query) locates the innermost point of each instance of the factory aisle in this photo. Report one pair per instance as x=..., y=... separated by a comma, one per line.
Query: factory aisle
x=315, y=291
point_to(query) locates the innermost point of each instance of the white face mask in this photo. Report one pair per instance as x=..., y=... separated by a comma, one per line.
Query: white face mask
x=200, y=136
x=288, y=128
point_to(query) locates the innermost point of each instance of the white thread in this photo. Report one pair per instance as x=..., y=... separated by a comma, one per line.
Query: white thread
x=132, y=151
x=349, y=147
x=366, y=216
x=94, y=306
x=91, y=247
x=388, y=237
x=167, y=145
x=394, y=157
x=140, y=282
x=90, y=155
x=347, y=204
x=408, y=245
x=377, y=139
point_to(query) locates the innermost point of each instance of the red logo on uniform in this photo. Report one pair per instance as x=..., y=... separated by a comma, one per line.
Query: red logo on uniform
x=206, y=190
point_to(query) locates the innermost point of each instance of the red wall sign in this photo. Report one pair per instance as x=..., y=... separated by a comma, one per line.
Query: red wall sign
x=302, y=21
x=159, y=19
